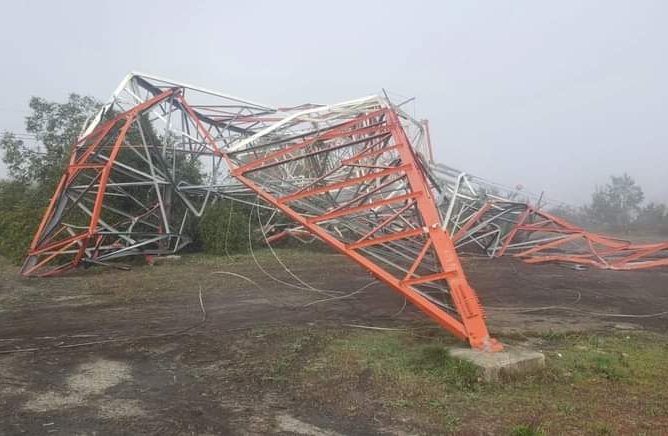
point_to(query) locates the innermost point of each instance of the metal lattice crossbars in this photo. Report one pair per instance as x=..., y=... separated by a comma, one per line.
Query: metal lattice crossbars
x=349, y=174
x=358, y=175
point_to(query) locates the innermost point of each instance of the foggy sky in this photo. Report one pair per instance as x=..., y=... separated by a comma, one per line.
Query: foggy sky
x=555, y=96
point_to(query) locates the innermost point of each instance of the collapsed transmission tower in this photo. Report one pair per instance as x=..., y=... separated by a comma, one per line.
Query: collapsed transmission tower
x=350, y=174
x=358, y=175
x=497, y=221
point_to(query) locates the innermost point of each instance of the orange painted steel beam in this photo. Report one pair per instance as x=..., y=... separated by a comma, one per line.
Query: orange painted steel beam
x=471, y=324
x=43, y=243
x=388, y=238
x=343, y=184
x=462, y=294
x=387, y=221
x=264, y=161
x=376, y=204
x=340, y=212
x=595, y=250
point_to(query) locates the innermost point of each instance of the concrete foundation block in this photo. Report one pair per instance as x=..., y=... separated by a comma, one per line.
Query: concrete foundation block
x=509, y=362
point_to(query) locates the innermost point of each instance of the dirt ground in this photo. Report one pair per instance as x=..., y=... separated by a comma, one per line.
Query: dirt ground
x=105, y=351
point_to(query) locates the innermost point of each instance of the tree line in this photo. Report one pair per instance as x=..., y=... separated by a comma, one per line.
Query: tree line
x=619, y=206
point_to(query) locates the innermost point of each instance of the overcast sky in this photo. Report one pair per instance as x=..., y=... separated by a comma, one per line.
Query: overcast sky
x=555, y=96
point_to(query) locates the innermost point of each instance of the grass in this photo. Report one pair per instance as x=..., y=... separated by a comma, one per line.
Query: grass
x=388, y=355
x=292, y=346
x=527, y=430
x=146, y=282
x=593, y=384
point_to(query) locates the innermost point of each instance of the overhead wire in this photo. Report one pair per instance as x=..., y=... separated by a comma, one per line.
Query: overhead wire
x=227, y=230
x=264, y=271
x=341, y=297
x=293, y=275
x=307, y=286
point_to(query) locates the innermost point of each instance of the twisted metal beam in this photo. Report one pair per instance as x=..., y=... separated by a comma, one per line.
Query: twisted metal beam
x=350, y=174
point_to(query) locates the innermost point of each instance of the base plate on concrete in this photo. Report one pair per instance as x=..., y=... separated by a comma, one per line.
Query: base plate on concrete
x=493, y=366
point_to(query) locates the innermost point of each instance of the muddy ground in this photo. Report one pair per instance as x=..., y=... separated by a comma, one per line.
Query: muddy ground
x=124, y=352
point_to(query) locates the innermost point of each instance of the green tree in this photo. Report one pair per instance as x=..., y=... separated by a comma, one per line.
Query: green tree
x=20, y=213
x=223, y=228
x=56, y=126
x=617, y=203
x=35, y=170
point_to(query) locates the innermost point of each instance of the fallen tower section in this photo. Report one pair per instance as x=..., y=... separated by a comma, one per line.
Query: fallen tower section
x=350, y=174
x=357, y=175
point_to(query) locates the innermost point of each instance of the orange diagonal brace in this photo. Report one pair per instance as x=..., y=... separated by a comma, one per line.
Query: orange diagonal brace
x=470, y=323
x=44, y=241
x=343, y=184
x=388, y=238
x=351, y=210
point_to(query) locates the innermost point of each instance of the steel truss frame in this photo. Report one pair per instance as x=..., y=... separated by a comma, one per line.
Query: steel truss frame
x=351, y=174
x=487, y=218
x=358, y=175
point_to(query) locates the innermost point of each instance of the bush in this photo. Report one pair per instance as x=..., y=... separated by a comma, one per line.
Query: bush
x=223, y=229
x=17, y=228
x=21, y=209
